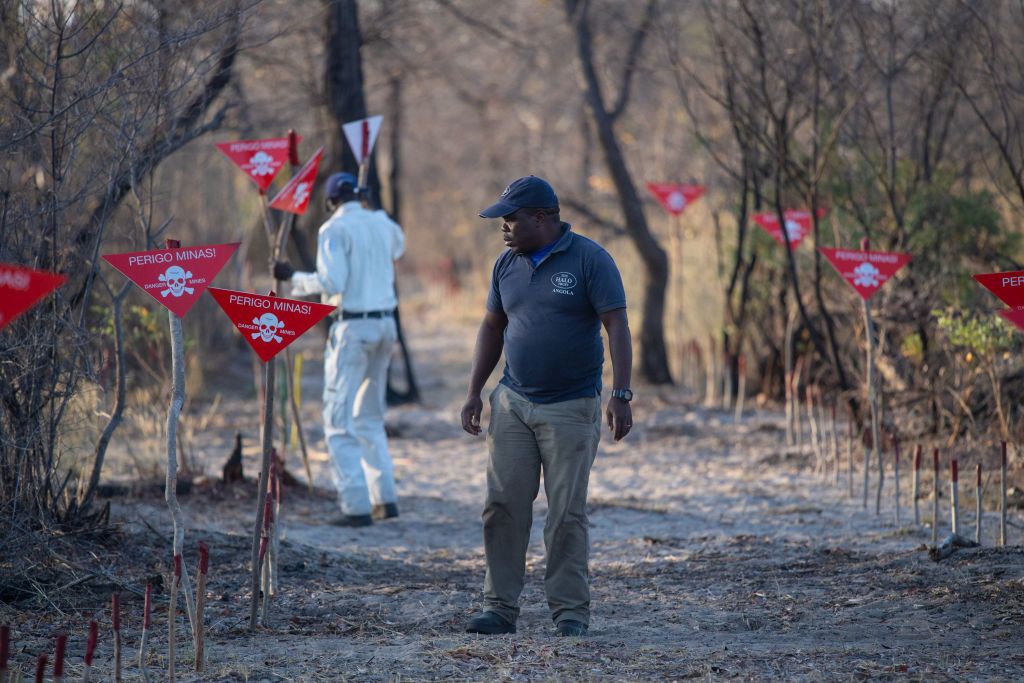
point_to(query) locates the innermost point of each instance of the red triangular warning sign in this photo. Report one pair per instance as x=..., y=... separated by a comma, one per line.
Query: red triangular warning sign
x=1015, y=316
x=260, y=159
x=675, y=197
x=177, y=277
x=866, y=271
x=361, y=136
x=798, y=225
x=269, y=323
x=294, y=197
x=21, y=288
x=1008, y=286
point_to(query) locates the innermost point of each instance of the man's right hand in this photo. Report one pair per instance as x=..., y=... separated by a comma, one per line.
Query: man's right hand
x=283, y=270
x=471, y=414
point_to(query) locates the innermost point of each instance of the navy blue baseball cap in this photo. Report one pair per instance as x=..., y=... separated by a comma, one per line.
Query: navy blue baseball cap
x=529, y=192
x=336, y=183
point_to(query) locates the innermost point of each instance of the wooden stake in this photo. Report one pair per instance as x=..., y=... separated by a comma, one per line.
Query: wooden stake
x=90, y=649
x=869, y=332
x=711, y=385
x=115, y=618
x=798, y=372
x=268, y=444
x=146, y=623
x=742, y=390
x=172, y=614
x=834, y=428
x=266, y=546
x=916, y=492
x=977, y=506
x=812, y=420
x=954, y=498
x=935, y=497
x=1002, y=498
x=58, y=657
x=867, y=463
x=204, y=567
x=791, y=404
x=896, y=473
x=171, y=483
x=849, y=455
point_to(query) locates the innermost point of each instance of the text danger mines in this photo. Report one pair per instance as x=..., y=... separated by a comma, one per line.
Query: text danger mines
x=270, y=304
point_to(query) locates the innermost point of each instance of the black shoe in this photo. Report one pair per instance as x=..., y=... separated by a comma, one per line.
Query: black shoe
x=490, y=624
x=352, y=520
x=385, y=511
x=571, y=627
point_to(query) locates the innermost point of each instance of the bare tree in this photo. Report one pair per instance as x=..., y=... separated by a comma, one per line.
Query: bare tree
x=94, y=99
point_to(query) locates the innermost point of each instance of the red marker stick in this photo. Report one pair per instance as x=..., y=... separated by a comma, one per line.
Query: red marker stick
x=977, y=505
x=954, y=497
x=90, y=645
x=917, y=484
x=147, y=607
x=5, y=649
x=293, y=148
x=58, y=657
x=90, y=648
x=935, y=497
x=115, y=618
x=40, y=668
x=1002, y=497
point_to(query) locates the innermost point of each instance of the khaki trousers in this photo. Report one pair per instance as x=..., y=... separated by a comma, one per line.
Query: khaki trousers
x=525, y=439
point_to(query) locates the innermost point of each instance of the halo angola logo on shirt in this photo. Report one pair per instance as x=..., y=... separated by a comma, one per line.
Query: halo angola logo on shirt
x=563, y=282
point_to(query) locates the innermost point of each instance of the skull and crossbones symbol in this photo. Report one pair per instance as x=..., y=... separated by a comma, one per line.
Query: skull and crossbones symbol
x=866, y=275
x=175, y=279
x=269, y=325
x=262, y=163
x=301, y=193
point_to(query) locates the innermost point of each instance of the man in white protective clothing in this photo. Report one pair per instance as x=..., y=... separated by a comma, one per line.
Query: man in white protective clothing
x=355, y=271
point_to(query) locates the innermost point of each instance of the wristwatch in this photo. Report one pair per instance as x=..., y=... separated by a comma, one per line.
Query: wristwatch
x=623, y=394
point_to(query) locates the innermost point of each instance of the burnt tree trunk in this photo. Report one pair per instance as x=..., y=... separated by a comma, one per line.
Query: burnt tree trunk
x=346, y=101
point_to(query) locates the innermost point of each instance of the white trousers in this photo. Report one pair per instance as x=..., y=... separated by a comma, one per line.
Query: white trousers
x=355, y=389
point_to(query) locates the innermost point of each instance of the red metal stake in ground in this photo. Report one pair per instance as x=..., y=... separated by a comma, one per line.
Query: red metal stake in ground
x=21, y=288
x=175, y=278
x=259, y=159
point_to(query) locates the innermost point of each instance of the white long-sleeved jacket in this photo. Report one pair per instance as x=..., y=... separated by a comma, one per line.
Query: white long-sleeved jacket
x=355, y=261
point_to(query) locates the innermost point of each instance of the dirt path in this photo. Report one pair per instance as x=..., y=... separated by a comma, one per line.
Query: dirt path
x=716, y=553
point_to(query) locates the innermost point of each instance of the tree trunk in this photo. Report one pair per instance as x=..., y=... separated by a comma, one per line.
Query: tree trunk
x=653, y=357
x=343, y=81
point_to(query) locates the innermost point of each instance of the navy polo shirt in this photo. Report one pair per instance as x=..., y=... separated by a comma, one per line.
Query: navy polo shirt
x=553, y=347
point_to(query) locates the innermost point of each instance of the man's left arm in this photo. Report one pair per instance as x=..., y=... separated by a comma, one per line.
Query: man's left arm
x=620, y=346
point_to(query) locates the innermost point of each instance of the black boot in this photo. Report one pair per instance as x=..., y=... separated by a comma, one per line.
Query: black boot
x=490, y=624
x=385, y=511
x=353, y=520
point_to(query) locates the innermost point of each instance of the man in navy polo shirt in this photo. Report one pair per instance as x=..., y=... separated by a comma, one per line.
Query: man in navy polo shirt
x=551, y=292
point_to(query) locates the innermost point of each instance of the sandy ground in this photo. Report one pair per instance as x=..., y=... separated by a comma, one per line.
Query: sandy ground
x=716, y=553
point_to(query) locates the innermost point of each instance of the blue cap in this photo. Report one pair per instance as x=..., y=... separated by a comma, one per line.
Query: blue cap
x=338, y=184
x=528, y=192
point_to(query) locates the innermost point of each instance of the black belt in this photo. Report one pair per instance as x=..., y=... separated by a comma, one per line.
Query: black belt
x=353, y=315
